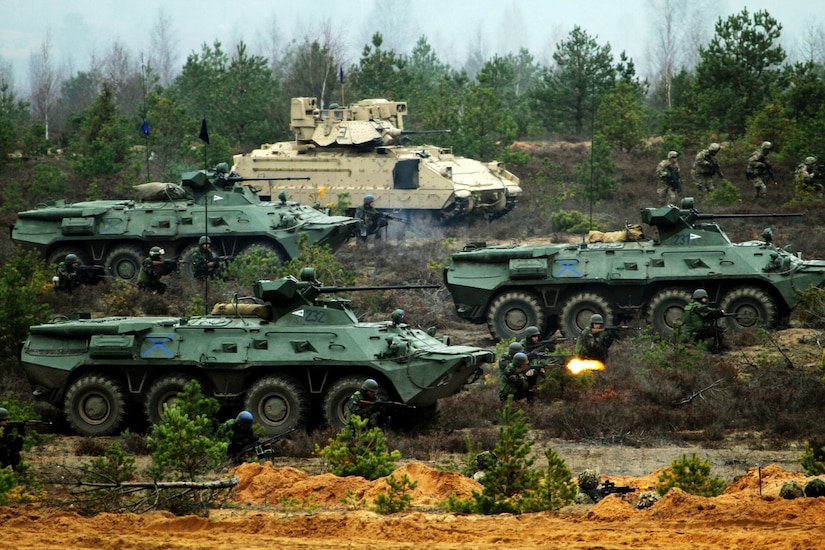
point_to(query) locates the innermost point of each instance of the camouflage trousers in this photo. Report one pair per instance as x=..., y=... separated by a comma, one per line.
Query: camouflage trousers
x=759, y=187
x=704, y=184
x=669, y=194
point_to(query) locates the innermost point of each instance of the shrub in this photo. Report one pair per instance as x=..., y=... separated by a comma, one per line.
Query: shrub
x=359, y=451
x=571, y=221
x=397, y=498
x=726, y=194
x=690, y=475
x=813, y=458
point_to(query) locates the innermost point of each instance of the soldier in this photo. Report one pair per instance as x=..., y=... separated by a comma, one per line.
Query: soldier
x=240, y=434
x=152, y=270
x=371, y=219
x=397, y=317
x=670, y=178
x=700, y=319
x=594, y=341
x=66, y=278
x=759, y=170
x=531, y=341
x=362, y=403
x=518, y=378
x=11, y=442
x=705, y=167
x=807, y=178
x=206, y=263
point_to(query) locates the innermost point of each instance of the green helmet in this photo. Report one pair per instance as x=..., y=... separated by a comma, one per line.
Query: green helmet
x=714, y=147
x=700, y=293
x=368, y=199
x=369, y=385
x=222, y=168
x=514, y=348
x=204, y=240
x=596, y=318
x=520, y=359
x=531, y=331
x=767, y=234
x=71, y=259
x=4, y=414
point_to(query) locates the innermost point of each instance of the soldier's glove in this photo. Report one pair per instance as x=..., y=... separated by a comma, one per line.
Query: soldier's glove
x=530, y=373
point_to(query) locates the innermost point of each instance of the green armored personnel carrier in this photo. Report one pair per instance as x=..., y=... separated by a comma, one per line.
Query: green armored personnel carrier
x=559, y=286
x=119, y=233
x=360, y=150
x=291, y=357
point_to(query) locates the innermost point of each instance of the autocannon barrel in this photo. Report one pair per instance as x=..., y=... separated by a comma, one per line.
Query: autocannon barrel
x=333, y=289
x=710, y=216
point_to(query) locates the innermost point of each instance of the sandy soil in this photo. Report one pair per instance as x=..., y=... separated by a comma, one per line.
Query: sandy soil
x=749, y=513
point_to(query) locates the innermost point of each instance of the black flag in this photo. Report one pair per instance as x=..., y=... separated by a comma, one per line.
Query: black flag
x=204, y=135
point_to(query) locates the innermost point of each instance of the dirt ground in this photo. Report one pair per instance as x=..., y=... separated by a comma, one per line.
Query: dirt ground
x=749, y=513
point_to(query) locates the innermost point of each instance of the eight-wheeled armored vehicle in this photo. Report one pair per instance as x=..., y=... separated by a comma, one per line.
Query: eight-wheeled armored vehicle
x=119, y=233
x=559, y=286
x=291, y=357
x=358, y=150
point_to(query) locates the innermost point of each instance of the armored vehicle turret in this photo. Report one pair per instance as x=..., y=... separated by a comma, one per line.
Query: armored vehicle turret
x=359, y=150
x=220, y=204
x=561, y=285
x=293, y=355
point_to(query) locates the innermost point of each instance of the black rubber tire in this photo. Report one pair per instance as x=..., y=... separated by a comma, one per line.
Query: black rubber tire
x=666, y=308
x=512, y=312
x=95, y=405
x=186, y=268
x=124, y=262
x=576, y=312
x=278, y=403
x=755, y=307
x=59, y=254
x=162, y=392
x=337, y=397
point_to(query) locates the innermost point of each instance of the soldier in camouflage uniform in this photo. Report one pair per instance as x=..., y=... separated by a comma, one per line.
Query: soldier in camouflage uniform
x=11, y=442
x=806, y=176
x=362, y=404
x=514, y=379
x=670, y=178
x=700, y=319
x=759, y=170
x=240, y=434
x=704, y=168
x=372, y=221
x=66, y=277
x=594, y=342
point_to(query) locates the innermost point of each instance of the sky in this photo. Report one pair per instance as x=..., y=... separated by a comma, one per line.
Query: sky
x=80, y=29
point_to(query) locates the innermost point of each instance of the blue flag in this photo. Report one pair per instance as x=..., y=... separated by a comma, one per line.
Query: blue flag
x=145, y=128
x=204, y=135
x=341, y=74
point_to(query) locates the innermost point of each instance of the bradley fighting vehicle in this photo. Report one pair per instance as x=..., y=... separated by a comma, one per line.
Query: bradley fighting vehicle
x=288, y=357
x=562, y=285
x=119, y=233
x=358, y=150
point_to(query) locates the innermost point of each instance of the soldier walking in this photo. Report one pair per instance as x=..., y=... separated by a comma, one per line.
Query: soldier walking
x=670, y=178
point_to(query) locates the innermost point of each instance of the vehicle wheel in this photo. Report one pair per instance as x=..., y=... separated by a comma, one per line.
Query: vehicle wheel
x=668, y=308
x=95, y=405
x=124, y=262
x=576, y=312
x=337, y=398
x=164, y=391
x=186, y=256
x=278, y=403
x=512, y=312
x=59, y=254
x=753, y=308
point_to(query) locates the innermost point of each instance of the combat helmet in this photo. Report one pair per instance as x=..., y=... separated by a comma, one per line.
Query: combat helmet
x=531, y=331
x=397, y=316
x=71, y=259
x=596, y=318
x=810, y=160
x=4, y=414
x=244, y=418
x=368, y=199
x=369, y=385
x=514, y=348
x=520, y=359
x=700, y=293
x=714, y=147
x=673, y=155
x=156, y=251
x=767, y=146
x=204, y=240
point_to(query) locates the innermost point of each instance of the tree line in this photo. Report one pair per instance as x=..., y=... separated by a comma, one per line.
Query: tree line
x=740, y=88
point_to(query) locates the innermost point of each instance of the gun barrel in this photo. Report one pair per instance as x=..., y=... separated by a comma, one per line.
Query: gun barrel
x=709, y=216
x=414, y=132
x=333, y=289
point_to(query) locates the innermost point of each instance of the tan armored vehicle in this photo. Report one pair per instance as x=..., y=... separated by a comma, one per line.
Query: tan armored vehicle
x=358, y=150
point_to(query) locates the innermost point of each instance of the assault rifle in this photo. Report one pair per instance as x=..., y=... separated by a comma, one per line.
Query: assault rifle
x=170, y=266
x=717, y=170
x=262, y=448
x=675, y=183
x=610, y=488
x=612, y=328
x=391, y=217
x=25, y=423
x=390, y=405
x=90, y=274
